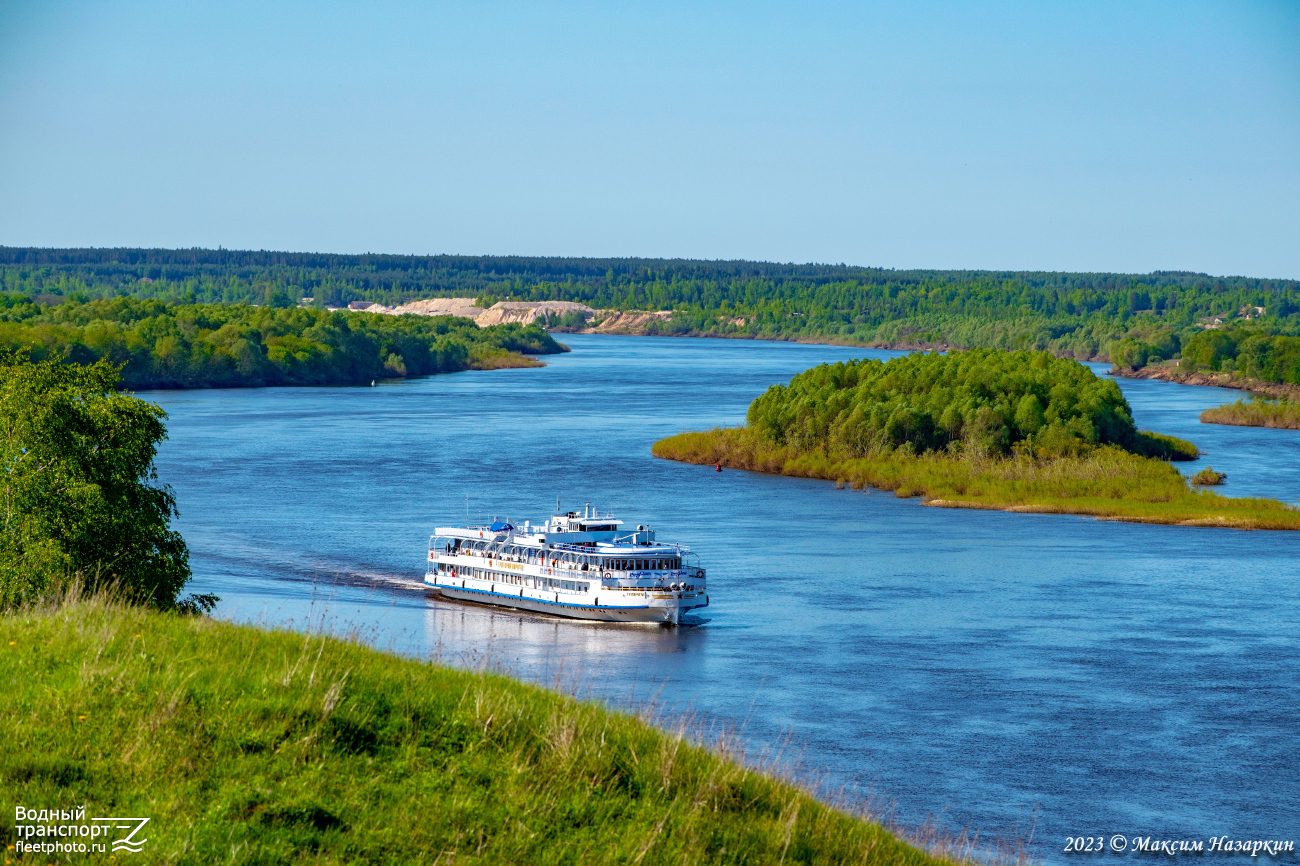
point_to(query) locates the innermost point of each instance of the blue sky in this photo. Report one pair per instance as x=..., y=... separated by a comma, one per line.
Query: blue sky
x=1089, y=136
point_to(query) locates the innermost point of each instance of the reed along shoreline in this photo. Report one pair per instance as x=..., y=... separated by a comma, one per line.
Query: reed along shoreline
x=1108, y=483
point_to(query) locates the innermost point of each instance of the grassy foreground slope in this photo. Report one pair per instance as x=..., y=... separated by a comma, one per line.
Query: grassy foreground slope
x=250, y=746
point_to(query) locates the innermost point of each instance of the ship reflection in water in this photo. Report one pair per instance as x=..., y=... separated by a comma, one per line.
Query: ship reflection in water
x=581, y=656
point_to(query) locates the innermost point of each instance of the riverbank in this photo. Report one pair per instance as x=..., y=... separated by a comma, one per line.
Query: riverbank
x=1172, y=372
x=637, y=323
x=1278, y=414
x=1107, y=483
x=244, y=744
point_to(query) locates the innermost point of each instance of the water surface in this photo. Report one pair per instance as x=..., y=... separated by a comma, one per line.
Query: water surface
x=1117, y=678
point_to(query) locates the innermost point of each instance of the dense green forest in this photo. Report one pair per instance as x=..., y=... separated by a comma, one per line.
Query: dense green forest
x=162, y=344
x=1076, y=315
x=1247, y=351
x=984, y=401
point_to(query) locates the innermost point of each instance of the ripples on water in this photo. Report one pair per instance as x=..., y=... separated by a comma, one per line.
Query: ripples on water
x=975, y=665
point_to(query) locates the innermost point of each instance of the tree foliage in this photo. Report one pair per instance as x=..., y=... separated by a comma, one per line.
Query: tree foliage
x=80, y=496
x=1252, y=353
x=1070, y=314
x=169, y=345
x=983, y=401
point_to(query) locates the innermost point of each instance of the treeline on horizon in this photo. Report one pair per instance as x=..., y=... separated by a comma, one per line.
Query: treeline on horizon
x=1130, y=318
x=165, y=344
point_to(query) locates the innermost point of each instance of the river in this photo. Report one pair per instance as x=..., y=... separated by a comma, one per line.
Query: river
x=979, y=667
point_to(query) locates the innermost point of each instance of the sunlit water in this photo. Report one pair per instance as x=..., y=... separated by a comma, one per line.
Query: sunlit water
x=972, y=665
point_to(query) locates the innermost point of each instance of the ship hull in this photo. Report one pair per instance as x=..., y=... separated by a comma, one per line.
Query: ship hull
x=667, y=610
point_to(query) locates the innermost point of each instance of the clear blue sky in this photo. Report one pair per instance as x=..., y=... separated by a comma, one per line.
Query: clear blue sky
x=1121, y=136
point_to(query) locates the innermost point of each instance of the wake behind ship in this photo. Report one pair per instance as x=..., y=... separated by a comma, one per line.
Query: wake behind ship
x=584, y=566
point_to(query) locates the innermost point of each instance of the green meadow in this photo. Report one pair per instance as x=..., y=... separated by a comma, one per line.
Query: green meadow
x=248, y=745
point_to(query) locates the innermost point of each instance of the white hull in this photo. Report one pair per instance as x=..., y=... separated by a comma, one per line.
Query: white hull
x=658, y=608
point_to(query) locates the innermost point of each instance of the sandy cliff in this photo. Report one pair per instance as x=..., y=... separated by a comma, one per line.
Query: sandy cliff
x=629, y=322
x=527, y=312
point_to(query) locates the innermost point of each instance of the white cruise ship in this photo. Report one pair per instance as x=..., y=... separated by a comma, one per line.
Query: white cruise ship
x=580, y=565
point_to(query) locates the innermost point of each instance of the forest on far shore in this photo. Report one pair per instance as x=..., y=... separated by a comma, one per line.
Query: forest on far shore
x=161, y=344
x=1131, y=319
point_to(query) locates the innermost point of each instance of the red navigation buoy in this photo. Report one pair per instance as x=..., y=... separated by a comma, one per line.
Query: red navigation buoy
x=718, y=468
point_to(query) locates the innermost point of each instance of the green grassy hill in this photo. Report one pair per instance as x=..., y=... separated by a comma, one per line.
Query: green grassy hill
x=244, y=745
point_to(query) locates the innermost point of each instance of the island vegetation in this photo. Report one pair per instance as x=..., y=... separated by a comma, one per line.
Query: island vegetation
x=1021, y=431
x=166, y=344
x=1283, y=414
x=1131, y=319
x=1207, y=477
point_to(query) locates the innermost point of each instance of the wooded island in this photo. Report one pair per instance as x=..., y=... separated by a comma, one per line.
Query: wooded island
x=1016, y=431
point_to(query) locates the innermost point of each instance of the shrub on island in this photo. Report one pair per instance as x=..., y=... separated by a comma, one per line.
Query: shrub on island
x=1207, y=477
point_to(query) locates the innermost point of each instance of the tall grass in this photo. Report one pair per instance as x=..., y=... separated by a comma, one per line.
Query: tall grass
x=245, y=745
x=1284, y=414
x=1104, y=482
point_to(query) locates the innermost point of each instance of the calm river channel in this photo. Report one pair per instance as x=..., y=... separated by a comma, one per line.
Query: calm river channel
x=968, y=665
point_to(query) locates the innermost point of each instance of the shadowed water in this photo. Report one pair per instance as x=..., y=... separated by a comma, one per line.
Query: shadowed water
x=974, y=665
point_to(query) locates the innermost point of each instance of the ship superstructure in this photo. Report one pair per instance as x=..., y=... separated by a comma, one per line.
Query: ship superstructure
x=583, y=565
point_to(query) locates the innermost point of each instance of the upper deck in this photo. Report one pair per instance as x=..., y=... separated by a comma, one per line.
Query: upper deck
x=589, y=544
x=571, y=531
